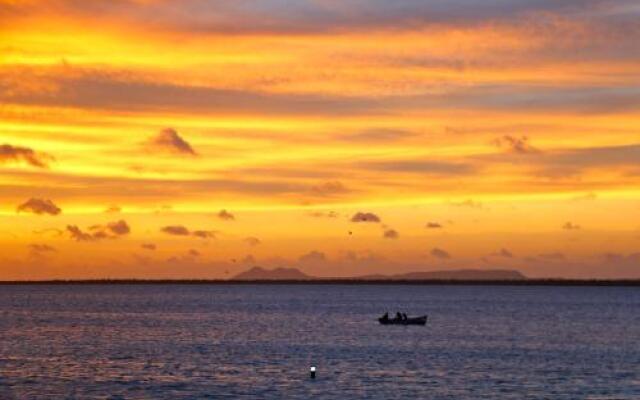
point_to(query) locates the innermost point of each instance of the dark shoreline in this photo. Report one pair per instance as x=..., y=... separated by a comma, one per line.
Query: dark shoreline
x=525, y=282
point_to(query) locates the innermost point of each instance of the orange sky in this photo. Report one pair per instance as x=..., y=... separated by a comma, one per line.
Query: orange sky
x=480, y=134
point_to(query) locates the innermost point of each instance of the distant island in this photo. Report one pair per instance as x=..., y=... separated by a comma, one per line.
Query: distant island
x=293, y=274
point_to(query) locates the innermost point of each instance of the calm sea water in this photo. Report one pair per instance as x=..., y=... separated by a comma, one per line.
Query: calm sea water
x=182, y=341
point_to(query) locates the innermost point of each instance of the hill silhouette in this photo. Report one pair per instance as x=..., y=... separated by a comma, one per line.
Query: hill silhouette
x=259, y=273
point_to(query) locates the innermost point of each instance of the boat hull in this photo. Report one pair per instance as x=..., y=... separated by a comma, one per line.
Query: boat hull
x=409, y=321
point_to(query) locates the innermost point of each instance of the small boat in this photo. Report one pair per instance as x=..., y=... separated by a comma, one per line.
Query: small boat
x=409, y=321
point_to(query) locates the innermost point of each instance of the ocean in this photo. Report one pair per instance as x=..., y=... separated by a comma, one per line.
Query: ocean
x=259, y=341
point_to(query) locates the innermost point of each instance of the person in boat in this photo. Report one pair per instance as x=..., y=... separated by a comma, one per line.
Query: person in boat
x=404, y=317
x=398, y=316
x=385, y=317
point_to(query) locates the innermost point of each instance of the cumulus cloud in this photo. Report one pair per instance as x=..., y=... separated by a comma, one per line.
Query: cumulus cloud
x=177, y=230
x=433, y=225
x=39, y=206
x=169, y=140
x=518, y=145
x=439, y=253
x=503, y=253
x=226, y=215
x=570, y=226
x=9, y=153
x=365, y=217
x=391, y=234
x=119, y=227
x=252, y=241
x=149, y=246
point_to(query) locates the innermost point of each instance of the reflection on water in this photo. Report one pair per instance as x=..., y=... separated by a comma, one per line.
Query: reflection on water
x=187, y=341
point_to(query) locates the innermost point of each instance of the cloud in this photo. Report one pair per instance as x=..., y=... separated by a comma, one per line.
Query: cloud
x=177, y=230
x=391, y=234
x=113, y=210
x=503, y=253
x=168, y=139
x=378, y=135
x=9, y=153
x=41, y=248
x=328, y=189
x=149, y=246
x=439, y=253
x=323, y=214
x=441, y=168
x=119, y=228
x=313, y=257
x=433, y=225
x=39, y=206
x=252, y=241
x=249, y=259
x=226, y=215
x=78, y=235
x=194, y=253
x=518, y=145
x=466, y=203
x=570, y=226
x=180, y=230
x=204, y=234
x=365, y=217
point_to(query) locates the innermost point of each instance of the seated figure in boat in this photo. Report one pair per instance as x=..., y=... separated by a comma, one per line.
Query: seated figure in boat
x=385, y=317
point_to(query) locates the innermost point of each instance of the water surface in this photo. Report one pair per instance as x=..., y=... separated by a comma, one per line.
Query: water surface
x=197, y=341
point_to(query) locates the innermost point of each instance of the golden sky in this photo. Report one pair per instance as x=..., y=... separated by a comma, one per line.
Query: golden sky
x=197, y=138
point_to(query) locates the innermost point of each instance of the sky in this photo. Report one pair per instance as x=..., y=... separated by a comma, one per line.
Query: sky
x=198, y=138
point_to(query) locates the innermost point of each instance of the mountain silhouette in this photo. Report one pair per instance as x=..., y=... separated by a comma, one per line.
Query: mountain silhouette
x=259, y=274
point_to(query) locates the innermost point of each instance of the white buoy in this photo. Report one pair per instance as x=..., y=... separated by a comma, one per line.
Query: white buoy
x=313, y=372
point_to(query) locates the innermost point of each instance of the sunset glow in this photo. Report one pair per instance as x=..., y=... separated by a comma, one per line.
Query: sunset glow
x=193, y=139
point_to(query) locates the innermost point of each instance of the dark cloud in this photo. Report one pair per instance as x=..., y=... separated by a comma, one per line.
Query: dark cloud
x=252, y=241
x=148, y=246
x=391, y=234
x=78, y=235
x=313, y=257
x=570, y=226
x=433, y=225
x=517, y=145
x=10, y=153
x=204, y=234
x=177, y=230
x=168, y=139
x=365, y=217
x=39, y=206
x=439, y=253
x=226, y=215
x=503, y=253
x=119, y=228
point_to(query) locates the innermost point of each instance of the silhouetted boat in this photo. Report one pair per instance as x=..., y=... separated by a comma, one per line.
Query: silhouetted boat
x=409, y=321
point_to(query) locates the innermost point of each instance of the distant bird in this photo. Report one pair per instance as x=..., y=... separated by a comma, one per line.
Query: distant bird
x=350, y=233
